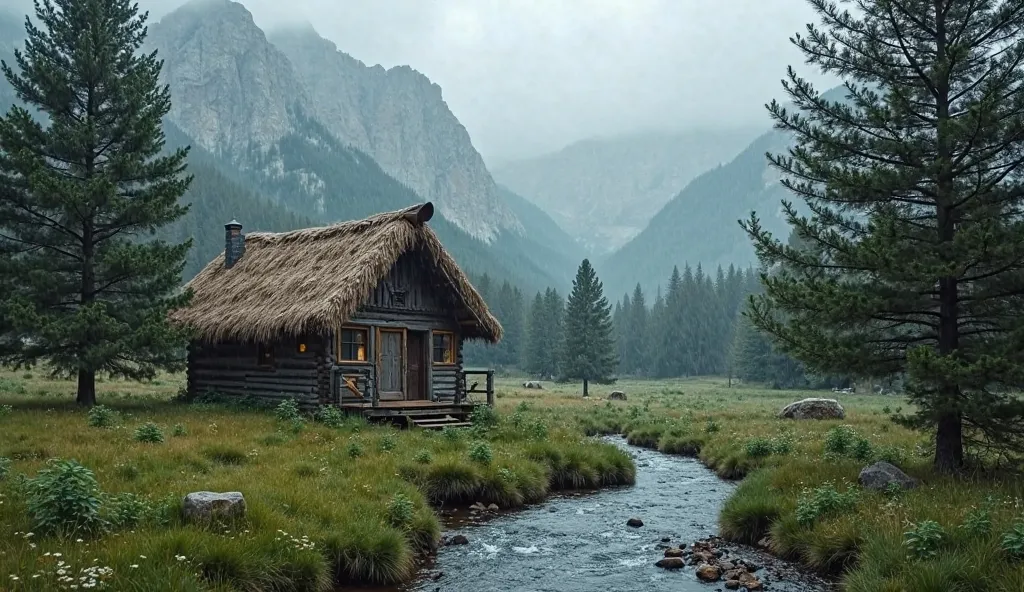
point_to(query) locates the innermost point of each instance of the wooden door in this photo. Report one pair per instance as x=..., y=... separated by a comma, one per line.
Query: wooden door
x=416, y=367
x=389, y=376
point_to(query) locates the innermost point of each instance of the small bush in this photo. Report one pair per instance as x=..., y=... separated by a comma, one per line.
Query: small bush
x=64, y=499
x=977, y=523
x=451, y=435
x=330, y=416
x=387, y=443
x=484, y=416
x=824, y=501
x=400, y=511
x=839, y=439
x=481, y=453
x=126, y=510
x=1012, y=542
x=6, y=410
x=149, y=432
x=923, y=539
x=287, y=410
x=179, y=430
x=5, y=467
x=423, y=457
x=711, y=426
x=782, y=445
x=355, y=449
x=758, y=447
x=861, y=450
x=891, y=454
x=102, y=416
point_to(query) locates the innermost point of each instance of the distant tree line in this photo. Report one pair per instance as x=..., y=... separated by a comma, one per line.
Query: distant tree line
x=696, y=328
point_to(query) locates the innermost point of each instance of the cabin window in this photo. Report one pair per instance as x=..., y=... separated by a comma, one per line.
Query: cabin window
x=444, y=347
x=302, y=345
x=353, y=345
x=265, y=355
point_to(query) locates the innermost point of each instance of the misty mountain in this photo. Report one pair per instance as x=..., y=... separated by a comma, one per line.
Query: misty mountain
x=259, y=155
x=604, y=191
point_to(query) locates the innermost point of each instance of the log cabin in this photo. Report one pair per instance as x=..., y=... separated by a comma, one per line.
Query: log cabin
x=369, y=315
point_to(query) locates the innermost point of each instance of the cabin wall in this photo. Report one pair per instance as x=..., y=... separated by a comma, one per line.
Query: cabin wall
x=408, y=287
x=233, y=368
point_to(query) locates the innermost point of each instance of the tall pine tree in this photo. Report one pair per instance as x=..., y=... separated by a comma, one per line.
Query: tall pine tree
x=915, y=258
x=83, y=288
x=589, y=351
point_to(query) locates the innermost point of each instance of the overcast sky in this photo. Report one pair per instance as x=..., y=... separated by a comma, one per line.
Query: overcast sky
x=530, y=76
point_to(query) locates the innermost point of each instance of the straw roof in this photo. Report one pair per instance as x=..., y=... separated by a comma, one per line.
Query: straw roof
x=313, y=280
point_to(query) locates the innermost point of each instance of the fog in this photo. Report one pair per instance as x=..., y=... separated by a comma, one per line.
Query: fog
x=530, y=76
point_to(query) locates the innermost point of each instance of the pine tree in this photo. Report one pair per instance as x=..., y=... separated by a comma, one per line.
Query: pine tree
x=537, y=337
x=84, y=289
x=589, y=351
x=916, y=242
x=555, y=310
x=635, y=361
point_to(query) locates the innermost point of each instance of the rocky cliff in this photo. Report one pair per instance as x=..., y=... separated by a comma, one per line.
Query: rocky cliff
x=238, y=94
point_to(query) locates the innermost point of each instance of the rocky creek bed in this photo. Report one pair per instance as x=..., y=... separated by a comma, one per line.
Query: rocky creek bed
x=582, y=542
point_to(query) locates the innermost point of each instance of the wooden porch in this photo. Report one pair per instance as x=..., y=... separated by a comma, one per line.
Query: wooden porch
x=431, y=414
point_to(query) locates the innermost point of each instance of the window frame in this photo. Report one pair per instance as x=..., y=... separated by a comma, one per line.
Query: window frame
x=265, y=355
x=340, y=344
x=452, y=350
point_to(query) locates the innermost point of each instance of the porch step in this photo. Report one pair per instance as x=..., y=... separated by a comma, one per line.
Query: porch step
x=436, y=423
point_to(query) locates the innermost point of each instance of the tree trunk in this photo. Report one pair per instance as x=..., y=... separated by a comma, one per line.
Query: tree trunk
x=86, y=388
x=585, y=392
x=949, y=443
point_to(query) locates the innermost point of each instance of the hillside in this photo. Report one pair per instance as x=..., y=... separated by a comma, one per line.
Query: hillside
x=699, y=225
x=604, y=191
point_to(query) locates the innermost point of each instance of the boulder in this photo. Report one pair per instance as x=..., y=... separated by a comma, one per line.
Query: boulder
x=750, y=582
x=459, y=539
x=616, y=396
x=673, y=552
x=882, y=474
x=493, y=508
x=813, y=409
x=670, y=563
x=708, y=573
x=208, y=506
x=533, y=384
x=732, y=584
x=635, y=522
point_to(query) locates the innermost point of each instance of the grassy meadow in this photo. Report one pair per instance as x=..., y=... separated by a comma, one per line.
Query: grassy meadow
x=335, y=500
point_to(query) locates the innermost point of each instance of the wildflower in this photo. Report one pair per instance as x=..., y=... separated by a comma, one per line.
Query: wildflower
x=134, y=566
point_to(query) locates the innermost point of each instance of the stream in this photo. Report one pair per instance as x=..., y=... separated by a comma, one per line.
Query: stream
x=581, y=542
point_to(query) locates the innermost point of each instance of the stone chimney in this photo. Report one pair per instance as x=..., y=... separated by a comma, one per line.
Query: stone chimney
x=234, y=243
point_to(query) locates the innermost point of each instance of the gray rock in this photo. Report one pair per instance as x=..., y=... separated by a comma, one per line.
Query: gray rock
x=670, y=563
x=533, y=384
x=881, y=474
x=635, y=522
x=208, y=506
x=616, y=396
x=813, y=408
x=459, y=539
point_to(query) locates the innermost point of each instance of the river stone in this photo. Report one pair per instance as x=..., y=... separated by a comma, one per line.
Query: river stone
x=616, y=396
x=635, y=522
x=493, y=507
x=208, y=506
x=813, y=408
x=459, y=539
x=670, y=563
x=708, y=573
x=673, y=552
x=882, y=474
x=732, y=584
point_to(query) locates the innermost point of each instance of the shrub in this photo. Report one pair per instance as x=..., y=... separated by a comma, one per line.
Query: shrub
x=824, y=501
x=711, y=426
x=839, y=439
x=484, y=416
x=891, y=454
x=452, y=435
x=782, y=445
x=758, y=447
x=6, y=410
x=126, y=510
x=1012, y=542
x=330, y=416
x=102, y=416
x=64, y=498
x=387, y=443
x=923, y=539
x=977, y=523
x=481, y=453
x=179, y=430
x=287, y=410
x=537, y=430
x=355, y=449
x=400, y=511
x=423, y=457
x=149, y=432
x=5, y=467
x=861, y=450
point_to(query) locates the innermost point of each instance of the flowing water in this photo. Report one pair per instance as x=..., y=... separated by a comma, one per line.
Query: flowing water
x=582, y=543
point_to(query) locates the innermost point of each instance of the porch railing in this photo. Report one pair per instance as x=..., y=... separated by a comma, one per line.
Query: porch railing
x=474, y=388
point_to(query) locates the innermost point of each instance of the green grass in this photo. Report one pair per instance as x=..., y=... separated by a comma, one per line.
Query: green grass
x=318, y=516
x=338, y=486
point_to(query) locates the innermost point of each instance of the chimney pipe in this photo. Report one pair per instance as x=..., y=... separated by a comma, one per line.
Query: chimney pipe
x=234, y=243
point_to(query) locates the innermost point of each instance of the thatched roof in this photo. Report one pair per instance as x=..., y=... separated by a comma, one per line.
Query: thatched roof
x=312, y=280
